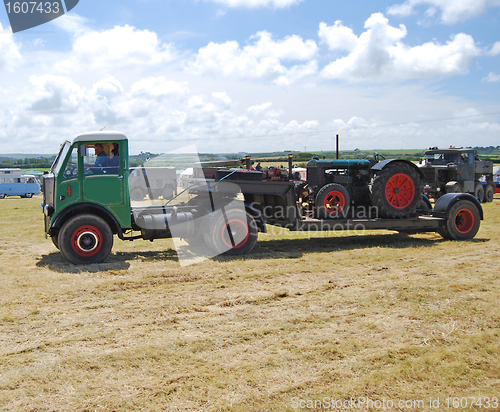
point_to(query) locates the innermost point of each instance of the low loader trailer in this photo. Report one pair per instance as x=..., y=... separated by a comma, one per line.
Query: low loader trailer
x=85, y=204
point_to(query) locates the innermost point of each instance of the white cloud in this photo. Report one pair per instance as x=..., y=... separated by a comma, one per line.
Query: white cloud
x=108, y=87
x=264, y=110
x=252, y=4
x=452, y=11
x=379, y=53
x=10, y=57
x=337, y=37
x=122, y=46
x=158, y=87
x=491, y=78
x=54, y=94
x=262, y=59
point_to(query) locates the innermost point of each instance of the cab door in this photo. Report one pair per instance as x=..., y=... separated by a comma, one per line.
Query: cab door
x=106, y=186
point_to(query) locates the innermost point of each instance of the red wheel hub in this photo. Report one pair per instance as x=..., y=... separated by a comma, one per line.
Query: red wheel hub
x=464, y=221
x=235, y=233
x=334, y=202
x=400, y=191
x=86, y=240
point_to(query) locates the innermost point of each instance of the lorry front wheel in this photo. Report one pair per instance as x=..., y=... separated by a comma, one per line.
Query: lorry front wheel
x=462, y=222
x=234, y=232
x=85, y=239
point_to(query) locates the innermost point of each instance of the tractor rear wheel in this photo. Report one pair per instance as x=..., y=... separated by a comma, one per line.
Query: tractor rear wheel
x=396, y=190
x=85, y=239
x=463, y=221
x=332, y=200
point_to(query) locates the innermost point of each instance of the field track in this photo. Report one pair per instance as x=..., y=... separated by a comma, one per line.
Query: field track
x=298, y=322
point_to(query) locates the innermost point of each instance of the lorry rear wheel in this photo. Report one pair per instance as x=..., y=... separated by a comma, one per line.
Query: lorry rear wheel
x=137, y=194
x=489, y=193
x=396, y=190
x=479, y=192
x=233, y=233
x=332, y=200
x=168, y=193
x=462, y=222
x=85, y=239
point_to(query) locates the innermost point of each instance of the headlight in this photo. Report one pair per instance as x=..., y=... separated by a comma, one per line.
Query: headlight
x=48, y=210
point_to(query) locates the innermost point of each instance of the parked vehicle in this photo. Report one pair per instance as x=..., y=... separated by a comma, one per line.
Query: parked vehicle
x=14, y=183
x=457, y=171
x=83, y=210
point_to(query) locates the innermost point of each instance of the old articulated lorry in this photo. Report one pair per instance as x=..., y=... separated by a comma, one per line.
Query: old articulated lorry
x=85, y=204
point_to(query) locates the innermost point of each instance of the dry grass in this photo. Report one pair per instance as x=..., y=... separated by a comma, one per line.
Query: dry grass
x=379, y=316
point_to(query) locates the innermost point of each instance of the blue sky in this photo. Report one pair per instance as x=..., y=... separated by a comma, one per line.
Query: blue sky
x=255, y=75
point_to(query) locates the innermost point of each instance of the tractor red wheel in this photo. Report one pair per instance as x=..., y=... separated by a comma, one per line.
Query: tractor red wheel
x=400, y=191
x=462, y=222
x=234, y=232
x=332, y=201
x=85, y=239
x=396, y=190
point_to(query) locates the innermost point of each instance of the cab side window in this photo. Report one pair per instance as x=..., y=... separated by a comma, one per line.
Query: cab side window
x=71, y=169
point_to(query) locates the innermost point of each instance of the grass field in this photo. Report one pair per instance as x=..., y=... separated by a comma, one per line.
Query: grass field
x=299, y=324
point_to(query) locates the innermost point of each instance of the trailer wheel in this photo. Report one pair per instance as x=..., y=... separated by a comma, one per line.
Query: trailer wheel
x=332, y=200
x=463, y=221
x=28, y=195
x=234, y=232
x=396, y=190
x=489, y=193
x=2, y=196
x=479, y=192
x=85, y=239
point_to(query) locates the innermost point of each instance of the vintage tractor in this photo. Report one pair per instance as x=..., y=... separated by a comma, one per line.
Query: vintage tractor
x=335, y=187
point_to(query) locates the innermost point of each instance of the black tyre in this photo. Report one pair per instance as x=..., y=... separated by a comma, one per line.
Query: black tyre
x=197, y=240
x=28, y=195
x=479, y=192
x=137, y=194
x=489, y=193
x=396, y=190
x=332, y=201
x=2, y=196
x=454, y=188
x=425, y=205
x=168, y=193
x=85, y=239
x=55, y=240
x=463, y=221
x=234, y=232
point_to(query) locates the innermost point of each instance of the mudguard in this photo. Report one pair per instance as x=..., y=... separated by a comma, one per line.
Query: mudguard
x=87, y=208
x=445, y=202
x=384, y=163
